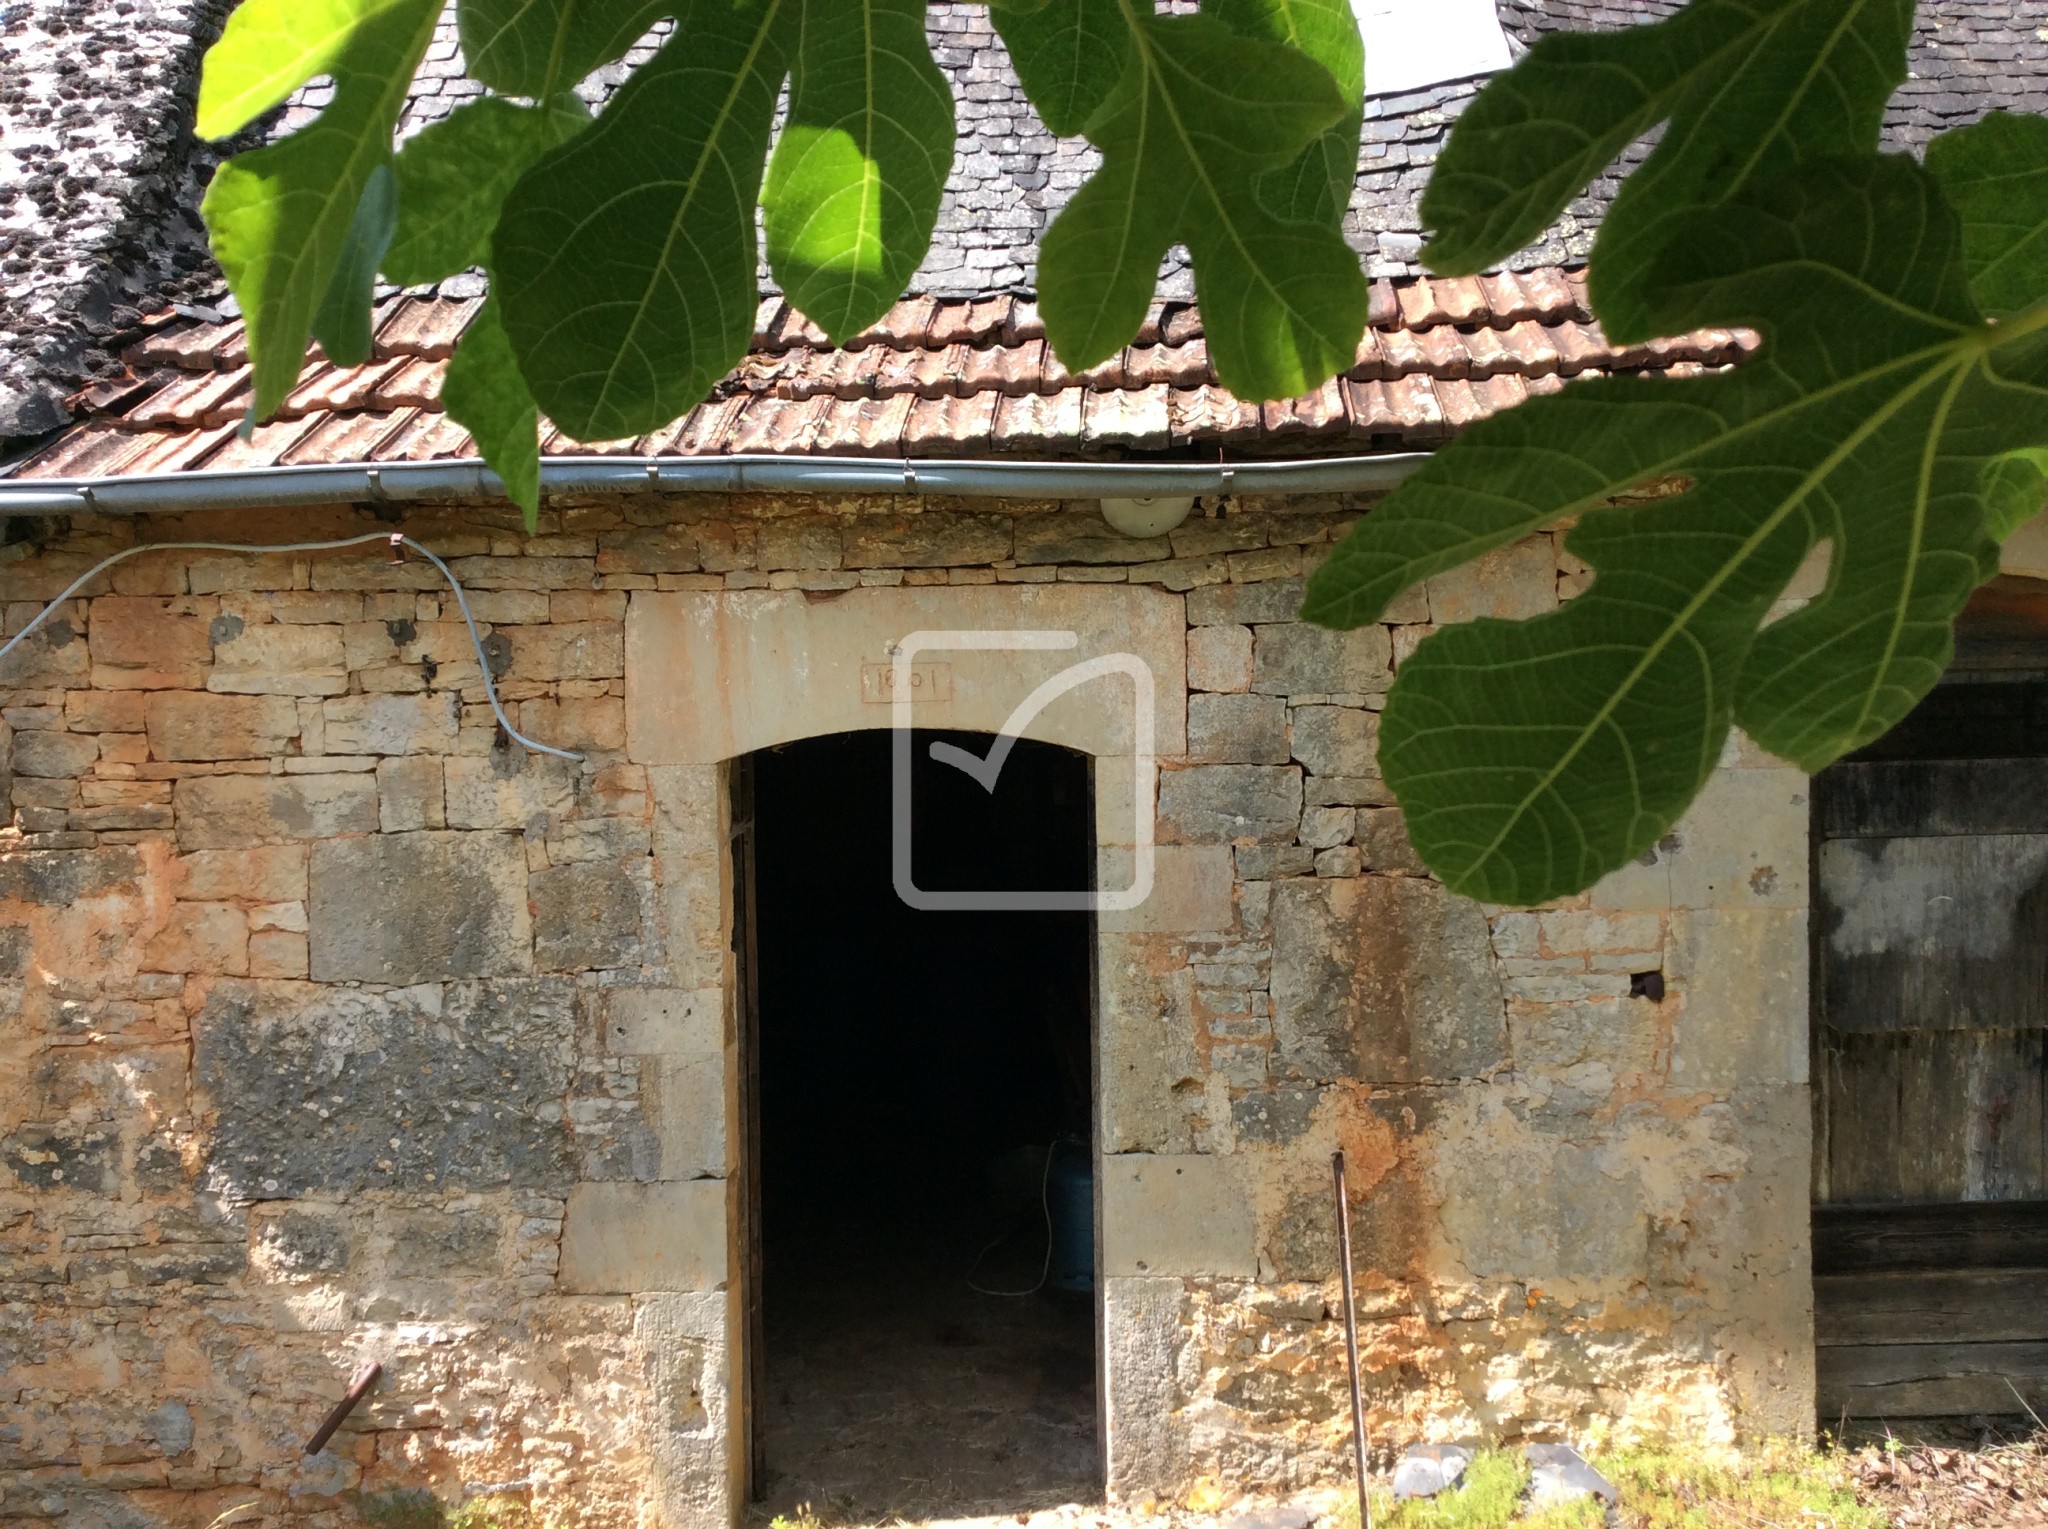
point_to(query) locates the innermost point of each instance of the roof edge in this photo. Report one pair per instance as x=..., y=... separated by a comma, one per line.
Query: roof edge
x=469, y=478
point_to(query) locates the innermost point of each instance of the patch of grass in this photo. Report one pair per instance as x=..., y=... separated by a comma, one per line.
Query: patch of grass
x=1771, y=1486
x=402, y=1508
x=1486, y=1497
x=492, y=1513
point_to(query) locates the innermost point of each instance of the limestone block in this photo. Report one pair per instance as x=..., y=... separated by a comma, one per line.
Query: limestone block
x=1145, y=1432
x=1223, y=804
x=583, y=650
x=210, y=938
x=1336, y=740
x=1518, y=1204
x=327, y=1089
x=392, y=724
x=198, y=725
x=1151, y=1075
x=1510, y=582
x=624, y=1238
x=698, y=1475
x=686, y=1098
x=1264, y=862
x=714, y=675
x=926, y=540
x=665, y=1021
x=105, y=711
x=54, y=756
x=1245, y=604
x=1220, y=658
x=1742, y=844
x=1083, y=537
x=431, y=1244
x=1183, y=1213
x=410, y=794
x=270, y=874
x=1295, y=658
x=231, y=811
x=525, y=572
x=799, y=544
x=1327, y=827
x=507, y=789
x=53, y=654
x=655, y=549
x=1347, y=791
x=1191, y=889
x=1387, y=978
x=1382, y=837
x=1237, y=729
x=419, y=907
x=1740, y=980
x=586, y=724
x=274, y=659
x=278, y=953
x=586, y=915
x=144, y=643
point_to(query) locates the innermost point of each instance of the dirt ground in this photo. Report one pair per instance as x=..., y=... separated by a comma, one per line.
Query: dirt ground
x=895, y=1391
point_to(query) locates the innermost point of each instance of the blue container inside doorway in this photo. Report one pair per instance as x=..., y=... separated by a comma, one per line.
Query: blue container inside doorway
x=1070, y=1207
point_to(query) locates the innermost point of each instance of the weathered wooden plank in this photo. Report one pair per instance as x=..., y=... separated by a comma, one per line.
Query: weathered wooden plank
x=1931, y=1379
x=1860, y=799
x=1868, y=1239
x=1948, y=1306
x=1934, y=1115
x=1947, y=933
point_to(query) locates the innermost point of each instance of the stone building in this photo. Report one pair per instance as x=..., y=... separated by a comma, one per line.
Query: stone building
x=338, y=1025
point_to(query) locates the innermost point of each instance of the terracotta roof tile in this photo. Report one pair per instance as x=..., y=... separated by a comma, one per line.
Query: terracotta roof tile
x=1023, y=323
x=1179, y=324
x=950, y=424
x=1383, y=311
x=933, y=377
x=867, y=426
x=266, y=445
x=1180, y=366
x=180, y=451
x=347, y=437
x=1210, y=413
x=416, y=383
x=1008, y=369
x=92, y=451
x=428, y=437
x=1039, y=420
x=1137, y=418
x=707, y=429
x=1506, y=300
x=968, y=321
x=425, y=326
x=1419, y=307
x=1551, y=293
x=1460, y=298
x=1311, y=414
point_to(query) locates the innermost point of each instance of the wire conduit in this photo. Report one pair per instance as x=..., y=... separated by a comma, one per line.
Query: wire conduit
x=391, y=539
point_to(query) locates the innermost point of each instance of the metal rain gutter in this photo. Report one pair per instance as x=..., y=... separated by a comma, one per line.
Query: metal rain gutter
x=468, y=478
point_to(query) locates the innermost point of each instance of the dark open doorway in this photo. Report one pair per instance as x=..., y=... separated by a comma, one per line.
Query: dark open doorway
x=921, y=1100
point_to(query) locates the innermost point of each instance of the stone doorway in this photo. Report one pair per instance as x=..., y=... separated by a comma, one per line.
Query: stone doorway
x=908, y=1072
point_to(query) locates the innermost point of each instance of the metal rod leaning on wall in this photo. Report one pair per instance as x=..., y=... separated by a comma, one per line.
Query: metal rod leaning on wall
x=1351, y=1338
x=358, y=1388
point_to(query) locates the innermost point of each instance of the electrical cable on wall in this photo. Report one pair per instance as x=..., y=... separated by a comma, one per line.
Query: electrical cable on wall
x=394, y=539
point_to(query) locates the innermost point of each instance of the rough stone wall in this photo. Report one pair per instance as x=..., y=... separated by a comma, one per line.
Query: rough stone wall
x=331, y=1027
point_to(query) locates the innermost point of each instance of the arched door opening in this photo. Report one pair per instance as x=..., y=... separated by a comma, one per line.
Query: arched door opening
x=920, y=1101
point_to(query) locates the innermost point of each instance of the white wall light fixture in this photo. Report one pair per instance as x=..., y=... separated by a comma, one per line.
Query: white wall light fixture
x=1153, y=515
